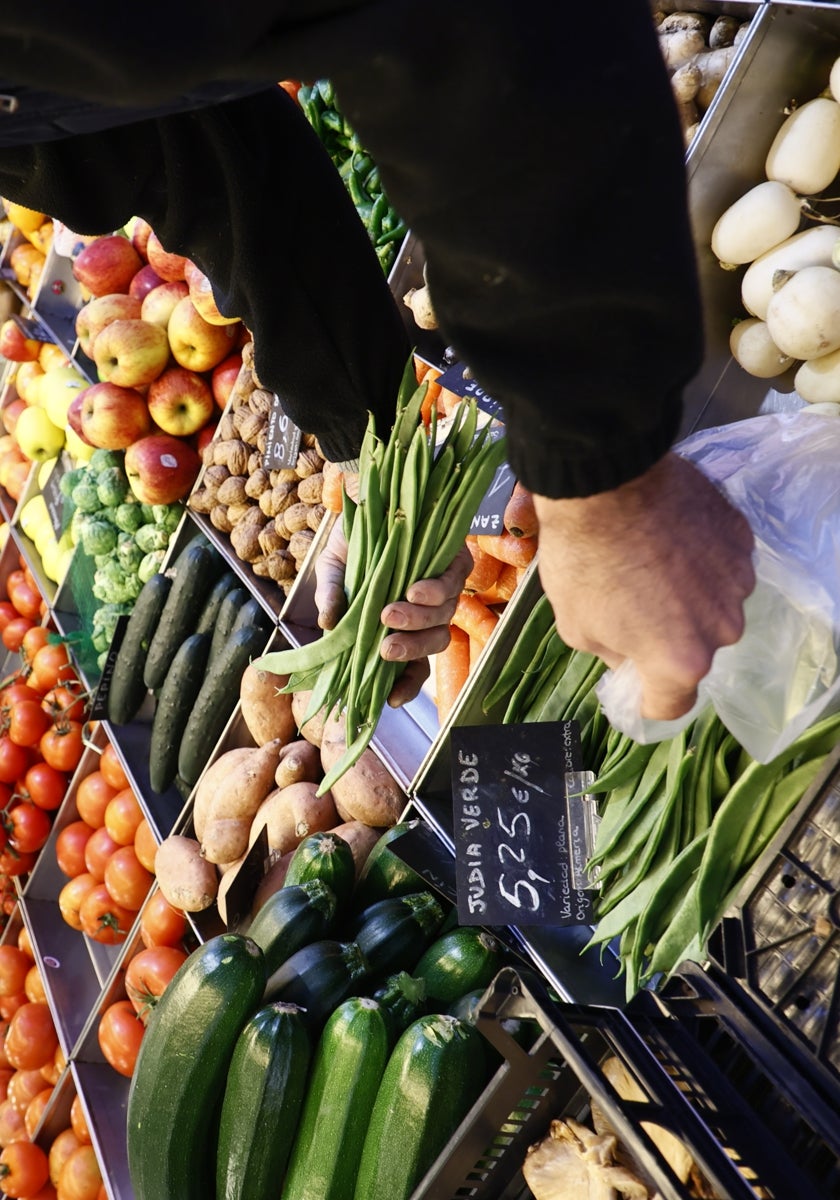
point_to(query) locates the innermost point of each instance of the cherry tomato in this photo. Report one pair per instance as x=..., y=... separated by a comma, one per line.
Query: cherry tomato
x=98, y=851
x=51, y=666
x=66, y=702
x=12, y=1124
x=24, y=1169
x=8, y=613
x=80, y=1178
x=122, y=816
x=62, y=746
x=112, y=768
x=120, y=1033
x=31, y=1039
x=147, y=974
x=14, y=760
x=28, y=827
x=160, y=923
x=14, y=965
x=103, y=920
x=61, y=1147
x=12, y=636
x=145, y=845
x=71, y=897
x=45, y=786
x=70, y=848
x=93, y=796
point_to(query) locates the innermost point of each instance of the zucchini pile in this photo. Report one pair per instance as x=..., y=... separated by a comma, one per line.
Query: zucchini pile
x=320, y=1049
x=191, y=634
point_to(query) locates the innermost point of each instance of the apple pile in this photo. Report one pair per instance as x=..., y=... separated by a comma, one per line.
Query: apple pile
x=28, y=257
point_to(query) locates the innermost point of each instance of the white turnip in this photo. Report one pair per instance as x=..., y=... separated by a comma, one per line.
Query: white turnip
x=805, y=153
x=762, y=218
x=753, y=349
x=811, y=248
x=803, y=317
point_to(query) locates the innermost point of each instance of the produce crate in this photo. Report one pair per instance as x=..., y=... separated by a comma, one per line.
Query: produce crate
x=681, y=1089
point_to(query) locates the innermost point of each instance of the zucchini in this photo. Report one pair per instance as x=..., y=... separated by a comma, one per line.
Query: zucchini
x=226, y=619
x=210, y=612
x=402, y=999
x=392, y=934
x=264, y=1092
x=328, y=857
x=291, y=918
x=128, y=690
x=194, y=570
x=216, y=700
x=461, y=961
x=251, y=613
x=347, y=1069
x=434, y=1075
x=384, y=873
x=180, y=688
x=318, y=977
x=182, y=1066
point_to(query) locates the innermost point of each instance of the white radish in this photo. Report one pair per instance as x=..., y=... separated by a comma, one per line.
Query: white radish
x=818, y=379
x=763, y=217
x=803, y=318
x=834, y=79
x=811, y=248
x=805, y=153
x=753, y=349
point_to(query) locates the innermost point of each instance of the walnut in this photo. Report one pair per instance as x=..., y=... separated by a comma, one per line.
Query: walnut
x=311, y=488
x=296, y=517
x=251, y=426
x=299, y=544
x=239, y=397
x=208, y=453
x=278, y=499
x=270, y=539
x=281, y=565
x=226, y=430
x=308, y=462
x=214, y=476
x=201, y=501
x=245, y=539
x=254, y=516
x=248, y=354
x=283, y=475
x=260, y=567
x=317, y=513
x=234, y=455
x=258, y=482
x=232, y=491
x=261, y=440
x=260, y=402
x=237, y=513
x=255, y=461
x=309, y=440
x=281, y=526
x=219, y=518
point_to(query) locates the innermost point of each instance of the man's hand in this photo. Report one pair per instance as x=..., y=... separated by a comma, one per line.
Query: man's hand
x=656, y=571
x=422, y=618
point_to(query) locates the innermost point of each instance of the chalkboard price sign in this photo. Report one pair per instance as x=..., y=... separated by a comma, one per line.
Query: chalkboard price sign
x=457, y=379
x=282, y=443
x=99, y=703
x=54, y=498
x=520, y=841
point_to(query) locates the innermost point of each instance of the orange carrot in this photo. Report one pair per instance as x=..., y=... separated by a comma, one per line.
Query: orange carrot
x=333, y=488
x=504, y=587
x=520, y=517
x=485, y=570
x=474, y=617
x=518, y=551
x=448, y=401
x=452, y=666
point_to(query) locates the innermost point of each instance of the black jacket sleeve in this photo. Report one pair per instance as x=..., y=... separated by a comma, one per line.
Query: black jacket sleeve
x=544, y=176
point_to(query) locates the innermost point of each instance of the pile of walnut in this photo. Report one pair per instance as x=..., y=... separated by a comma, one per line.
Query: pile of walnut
x=271, y=516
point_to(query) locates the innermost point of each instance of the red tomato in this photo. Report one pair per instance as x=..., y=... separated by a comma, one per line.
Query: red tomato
x=12, y=636
x=14, y=760
x=14, y=863
x=13, y=693
x=45, y=786
x=120, y=1033
x=78, y=1120
x=14, y=964
x=28, y=723
x=103, y=920
x=145, y=845
x=31, y=1039
x=6, y=1074
x=33, y=640
x=23, y=1086
x=122, y=816
x=126, y=879
x=71, y=897
x=98, y=851
x=34, y=986
x=10, y=1004
x=61, y=1147
x=35, y=1110
x=148, y=973
x=52, y=1071
x=52, y=666
x=70, y=848
x=26, y=600
x=8, y=613
x=160, y=923
x=80, y=1178
x=62, y=746
x=93, y=796
x=28, y=827
x=12, y=1124
x=65, y=702
x=24, y=1168
x=112, y=768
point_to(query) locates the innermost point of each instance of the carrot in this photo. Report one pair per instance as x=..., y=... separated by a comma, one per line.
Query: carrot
x=291, y=86
x=474, y=617
x=333, y=488
x=486, y=568
x=452, y=666
x=518, y=551
x=520, y=517
x=448, y=401
x=504, y=587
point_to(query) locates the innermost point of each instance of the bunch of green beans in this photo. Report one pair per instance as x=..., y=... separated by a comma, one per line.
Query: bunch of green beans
x=416, y=503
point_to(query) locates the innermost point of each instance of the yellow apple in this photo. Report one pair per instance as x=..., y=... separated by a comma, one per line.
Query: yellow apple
x=36, y=435
x=26, y=377
x=79, y=451
x=57, y=389
x=44, y=472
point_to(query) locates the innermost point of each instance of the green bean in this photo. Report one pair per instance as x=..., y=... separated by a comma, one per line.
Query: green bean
x=577, y=675
x=615, y=822
x=627, y=766
x=324, y=685
x=459, y=514
x=515, y=682
x=529, y=647
x=721, y=779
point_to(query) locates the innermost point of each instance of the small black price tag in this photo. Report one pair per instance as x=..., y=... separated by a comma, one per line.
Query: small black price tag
x=457, y=379
x=282, y=443
x=249, y=874
x=54, y=498
x=99, y=704
x=489, y=515
x=30, y=328
x=520, y=846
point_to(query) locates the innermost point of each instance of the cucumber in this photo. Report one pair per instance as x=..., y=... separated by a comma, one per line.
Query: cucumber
x=347, y=1069
x=392, y=934
x=318, y=977
x=251, y=613
x=385, y=874
x=434, y=1075
x=290, y=919
x=226, y=618
x=264, y=1092
x=328, y=857
x=216, y=700
x=128, y=690
x=194, y=570
x=461, y=961
x=402, y=999
x=182, y=1066
x=210, y=612
x=180, y=688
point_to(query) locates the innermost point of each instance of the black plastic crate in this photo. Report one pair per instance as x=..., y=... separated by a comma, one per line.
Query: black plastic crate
x=559, y=1076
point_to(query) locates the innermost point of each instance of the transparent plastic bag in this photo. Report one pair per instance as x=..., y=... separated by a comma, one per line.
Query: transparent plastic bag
x=782, y=470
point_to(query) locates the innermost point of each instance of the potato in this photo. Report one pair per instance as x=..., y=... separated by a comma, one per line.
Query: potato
x=300, y=762
x=236, y=799
x=367, y=792
x=266, y=711
x=360, y=838
x=314, y=729
x=208, y=785
x=184, y=876
x=290, y=814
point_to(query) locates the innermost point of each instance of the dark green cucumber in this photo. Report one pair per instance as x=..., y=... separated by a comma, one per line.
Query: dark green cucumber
x=385, y=874
x=182, y=1066
x=460, y=961
x=393, y=933
x=434, y=1075
x=347, y=1069
x=264, y=1092
x=216, y=701
x=174, y=704
x=128, y=690
x=194, y=570
x=328, y=857
x=402, y=999
x=226, y=618
x=251, y=613
x=210, y=612
x=291, y=918
x=318, y=977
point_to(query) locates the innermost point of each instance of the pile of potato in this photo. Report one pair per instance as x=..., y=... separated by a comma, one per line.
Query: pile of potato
x=270, y=516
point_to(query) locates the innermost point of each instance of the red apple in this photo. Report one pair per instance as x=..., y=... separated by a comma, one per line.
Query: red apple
x=161, y=468
x=74, y=416
x=15, y=345
x=92, y=317
x=161, y=300
x=201, y=294
x=196, y=344
x=113, y=417
x=167, y=264
x=140, y=232
x=224, y=376
x=143, y=282
x=107, y=265
x=130, y=353
x=205, y=435
x=180, y=401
